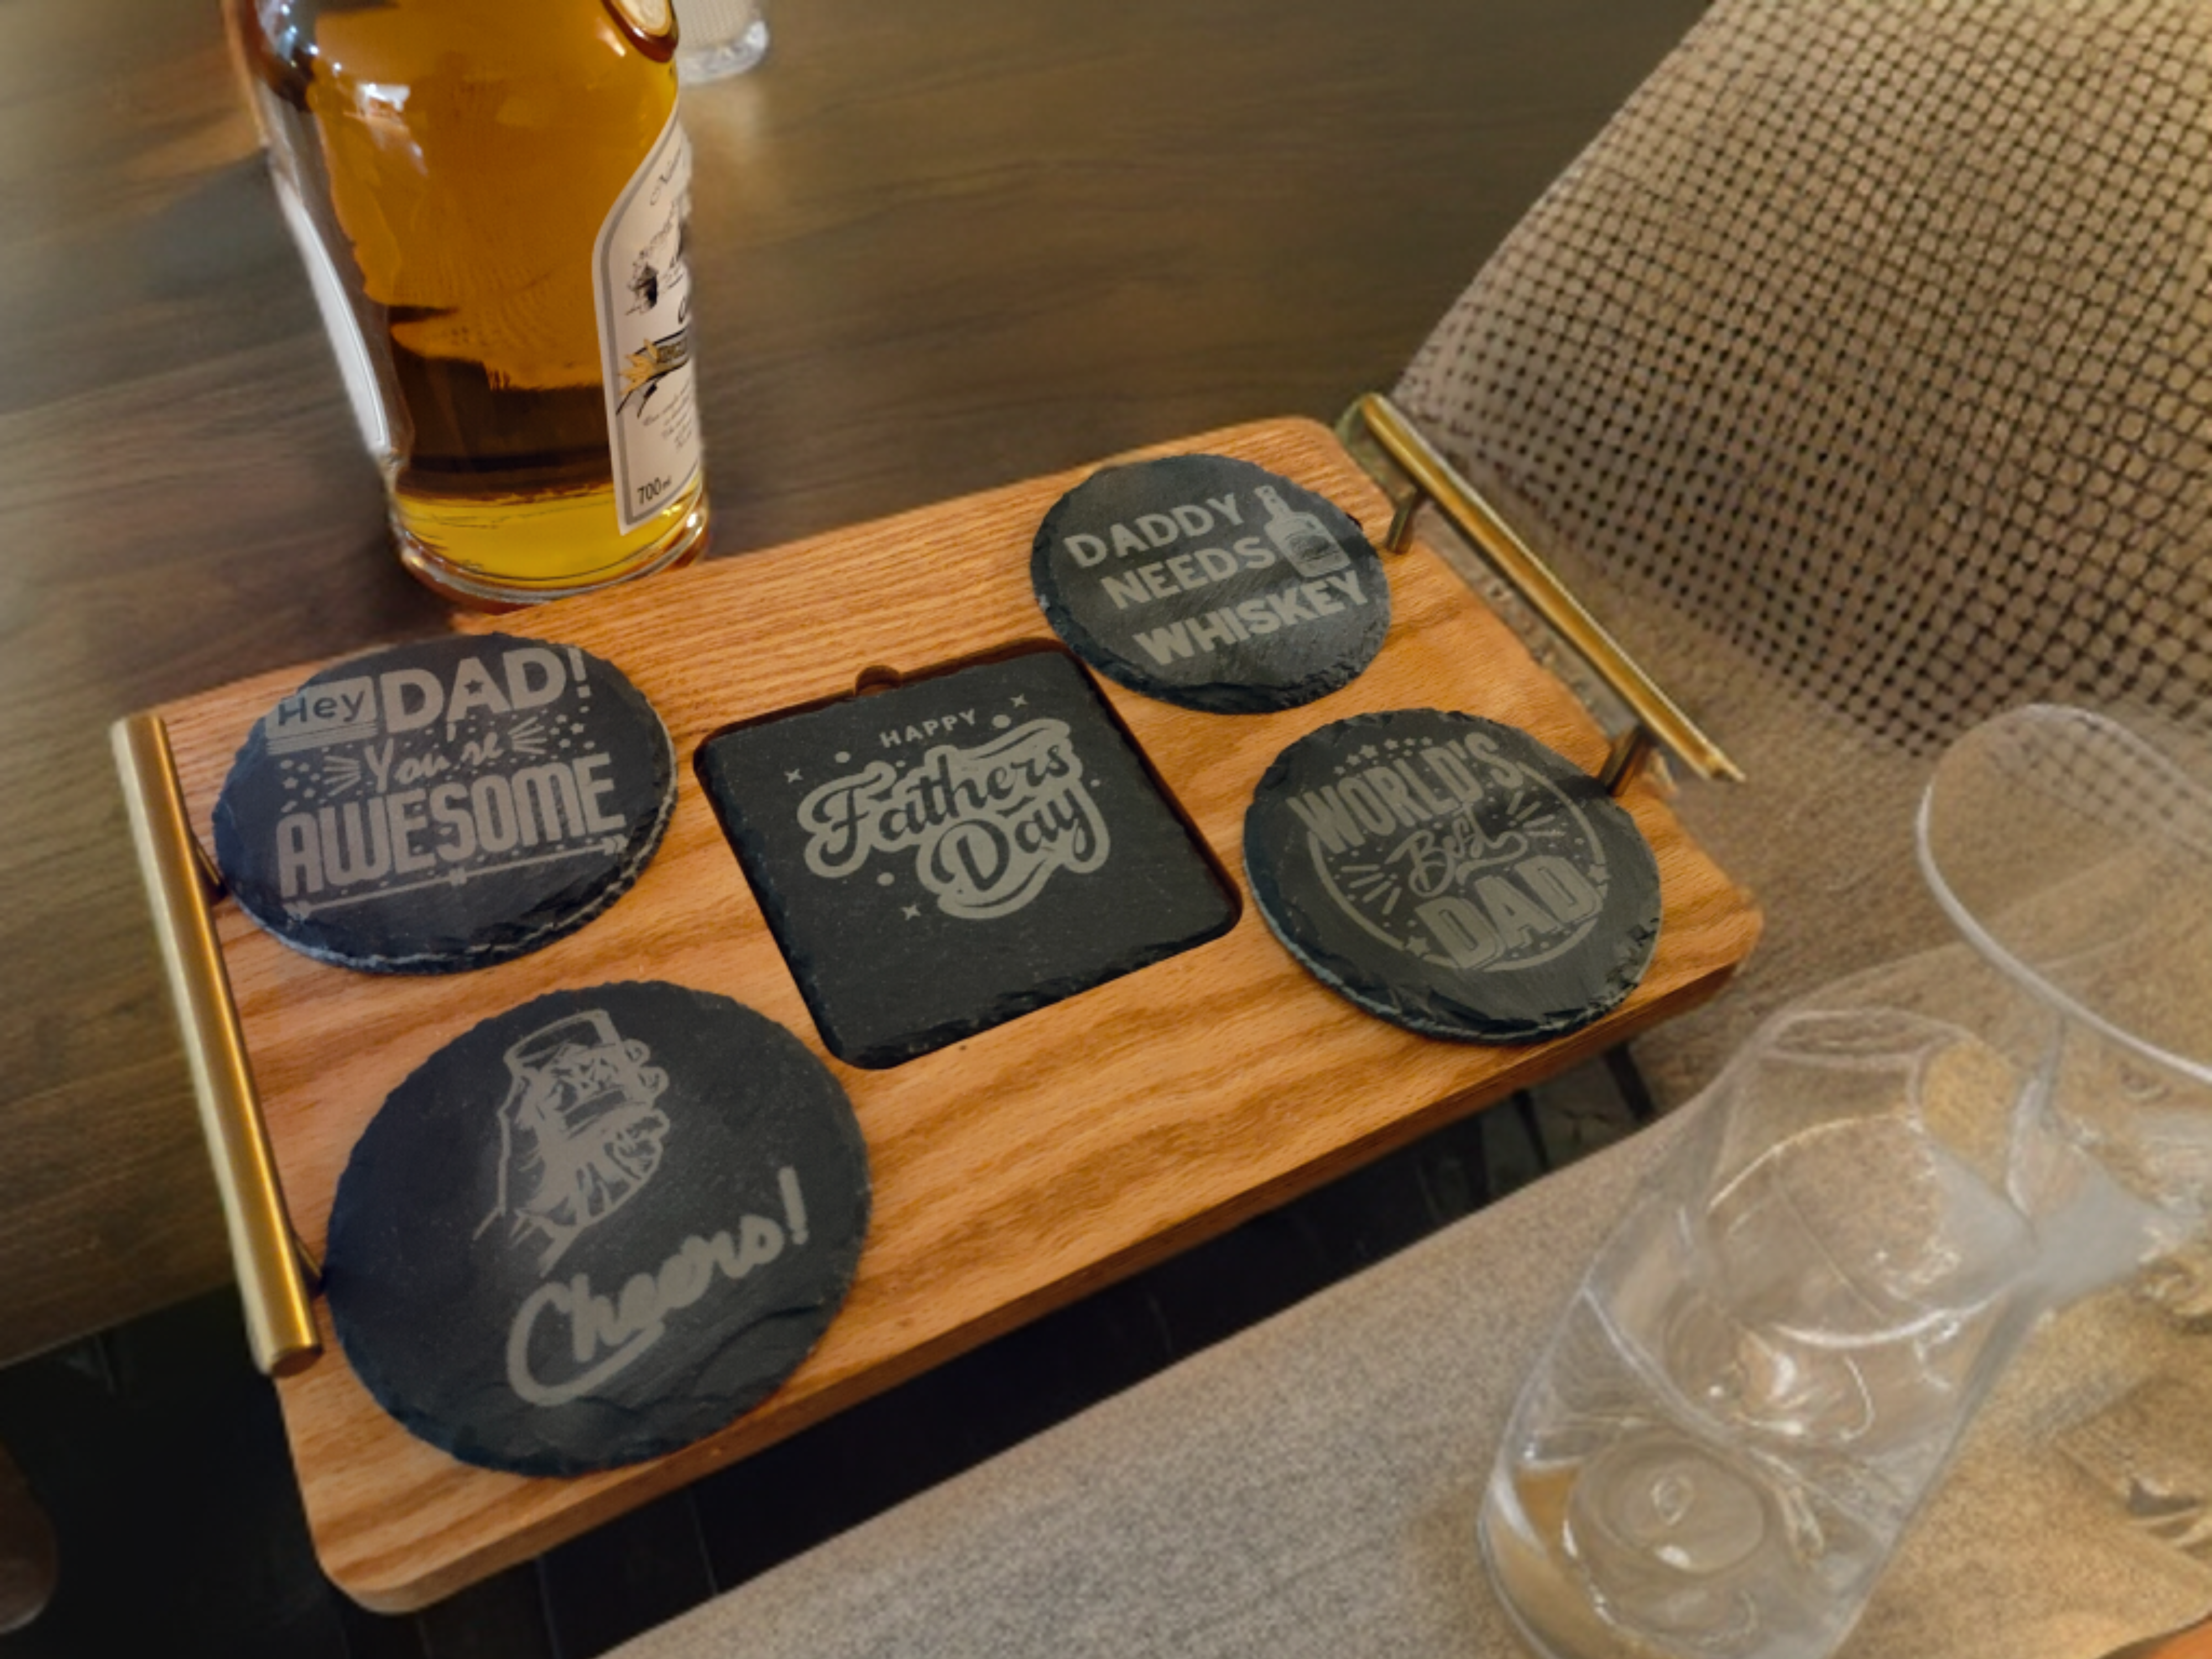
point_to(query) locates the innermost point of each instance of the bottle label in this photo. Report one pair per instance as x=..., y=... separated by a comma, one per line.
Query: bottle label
x=642, y=283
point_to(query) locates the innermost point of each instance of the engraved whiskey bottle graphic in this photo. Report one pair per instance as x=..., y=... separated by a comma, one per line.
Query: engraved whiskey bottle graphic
x=1299, y=538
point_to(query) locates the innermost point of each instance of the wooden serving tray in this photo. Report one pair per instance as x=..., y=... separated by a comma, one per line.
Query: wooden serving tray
x=1012, y=1172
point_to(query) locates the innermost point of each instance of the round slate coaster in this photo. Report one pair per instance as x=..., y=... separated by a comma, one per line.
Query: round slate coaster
x=1212, y=583
x=1452, y=875
x=445, y=805
x=595, y=1228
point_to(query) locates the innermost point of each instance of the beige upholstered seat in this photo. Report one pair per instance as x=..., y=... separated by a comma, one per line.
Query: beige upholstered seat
x=1860, y=377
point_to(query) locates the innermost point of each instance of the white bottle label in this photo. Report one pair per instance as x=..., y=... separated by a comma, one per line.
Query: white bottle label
x=643, y=287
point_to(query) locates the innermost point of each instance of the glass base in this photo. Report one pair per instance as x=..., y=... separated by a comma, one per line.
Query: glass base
x=1550, y=1611
x=718, y=60
x=681, y=546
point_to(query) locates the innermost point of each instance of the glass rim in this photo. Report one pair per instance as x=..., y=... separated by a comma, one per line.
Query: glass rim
x=1993, y=949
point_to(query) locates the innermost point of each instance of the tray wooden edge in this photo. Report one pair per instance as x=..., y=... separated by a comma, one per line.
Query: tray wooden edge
x=432, y=1574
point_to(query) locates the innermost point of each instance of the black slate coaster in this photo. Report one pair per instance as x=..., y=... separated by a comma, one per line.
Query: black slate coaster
x=1211, y=583
x=595, y=1228
x=1453, y=876
x=445, y=805
x=940, y=858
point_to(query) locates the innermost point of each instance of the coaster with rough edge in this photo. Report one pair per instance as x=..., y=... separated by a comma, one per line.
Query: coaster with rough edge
x=595, y=1228
x=1211, y=583
x=445, y=805
x=1453, y=876
x=937, y=859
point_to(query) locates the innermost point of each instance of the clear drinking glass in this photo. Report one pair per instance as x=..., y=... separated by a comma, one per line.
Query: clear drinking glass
x=718, y=38
x=1766, y=1369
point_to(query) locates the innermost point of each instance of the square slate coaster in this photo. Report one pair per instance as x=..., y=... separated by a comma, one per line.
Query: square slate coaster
x=940, y=858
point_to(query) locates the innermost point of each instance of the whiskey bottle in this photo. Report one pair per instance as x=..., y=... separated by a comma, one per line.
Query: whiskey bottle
x=1300, y=538
x=490, y=197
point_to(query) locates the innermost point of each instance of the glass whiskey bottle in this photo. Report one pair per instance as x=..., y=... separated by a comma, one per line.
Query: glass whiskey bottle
x=490, y=197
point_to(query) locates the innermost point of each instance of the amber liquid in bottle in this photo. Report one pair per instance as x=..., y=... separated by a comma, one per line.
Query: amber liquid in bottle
x=449, y=168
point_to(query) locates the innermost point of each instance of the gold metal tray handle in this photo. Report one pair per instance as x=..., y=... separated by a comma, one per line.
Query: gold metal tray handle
x=1434, y=479
x=273, y=1277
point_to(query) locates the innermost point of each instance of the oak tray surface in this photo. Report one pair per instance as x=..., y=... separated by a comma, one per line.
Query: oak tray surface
x=1014, y=1170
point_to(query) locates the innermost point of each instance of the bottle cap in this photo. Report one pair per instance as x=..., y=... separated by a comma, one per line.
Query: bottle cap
x=445, y=805
x=1453, y=876
x=595, y=1228
x=1211, y=583
x=940, y=858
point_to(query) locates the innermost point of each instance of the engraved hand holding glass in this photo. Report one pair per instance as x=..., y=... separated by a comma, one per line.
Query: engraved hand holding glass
x=581, y=1133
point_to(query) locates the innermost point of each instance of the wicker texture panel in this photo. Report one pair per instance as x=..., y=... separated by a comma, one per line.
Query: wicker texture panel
x=1876, y=334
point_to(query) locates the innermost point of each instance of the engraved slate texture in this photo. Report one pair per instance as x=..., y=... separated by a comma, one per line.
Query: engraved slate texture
x=940, y=858
x=1211, y=583
x=1452, y=875
x=595, y=1228
x=445, y=805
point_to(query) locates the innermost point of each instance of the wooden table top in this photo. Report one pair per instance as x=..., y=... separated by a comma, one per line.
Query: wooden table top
x=939, y=249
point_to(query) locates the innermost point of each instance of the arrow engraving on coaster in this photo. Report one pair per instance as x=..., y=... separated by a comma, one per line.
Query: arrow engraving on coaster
x=299, y=910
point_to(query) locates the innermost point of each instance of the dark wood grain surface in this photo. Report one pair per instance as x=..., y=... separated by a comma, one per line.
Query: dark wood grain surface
x=939, y=247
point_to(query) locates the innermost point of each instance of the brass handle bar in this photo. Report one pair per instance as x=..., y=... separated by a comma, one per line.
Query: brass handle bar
x=1436, y=480
x=272, y=1279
